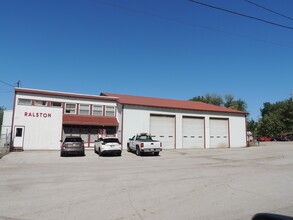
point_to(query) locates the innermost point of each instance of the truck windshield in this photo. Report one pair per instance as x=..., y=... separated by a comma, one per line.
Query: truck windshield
x=144, y=137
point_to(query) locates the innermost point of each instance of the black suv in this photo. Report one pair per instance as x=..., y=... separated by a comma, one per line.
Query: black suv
x=72, y=145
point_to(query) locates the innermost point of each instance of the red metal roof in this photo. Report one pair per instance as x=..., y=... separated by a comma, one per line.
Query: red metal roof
x=89, y=120
x=170, y=103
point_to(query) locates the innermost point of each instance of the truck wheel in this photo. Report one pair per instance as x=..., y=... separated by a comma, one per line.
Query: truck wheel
x=128, y=148
x=138, y=153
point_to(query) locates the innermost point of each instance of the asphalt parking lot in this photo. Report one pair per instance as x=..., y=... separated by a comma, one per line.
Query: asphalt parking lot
x=178, y=184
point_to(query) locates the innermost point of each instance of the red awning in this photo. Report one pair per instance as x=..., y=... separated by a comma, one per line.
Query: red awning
x=89, y=120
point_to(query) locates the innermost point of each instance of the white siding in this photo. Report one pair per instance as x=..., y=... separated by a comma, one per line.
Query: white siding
x=137, y=119
x=40, y=132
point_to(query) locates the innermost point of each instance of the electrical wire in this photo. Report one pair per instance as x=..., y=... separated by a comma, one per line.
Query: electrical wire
x=191, y=24
x=240, y=14
x=6, y=83
x=260, y=6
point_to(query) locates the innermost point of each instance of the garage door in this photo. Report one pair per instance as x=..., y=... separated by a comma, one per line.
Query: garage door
x=219, y=137
x=162, y=128
x=193, y=132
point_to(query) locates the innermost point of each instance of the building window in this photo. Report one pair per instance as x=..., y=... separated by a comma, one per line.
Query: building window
x=56, y=104
x=41, y=103
x=84, y=109
x=110, y=111
x=18, y=132
x=24, y=101
x=98, y=110
x=70, y=108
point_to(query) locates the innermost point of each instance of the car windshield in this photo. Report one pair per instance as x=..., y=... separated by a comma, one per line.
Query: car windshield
x=73, y=139
x=144, y=137
x=111, y=140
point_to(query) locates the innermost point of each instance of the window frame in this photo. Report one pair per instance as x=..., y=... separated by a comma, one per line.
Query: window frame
x=88, y=110
x=51, y=104
x=20, y=99
x=102, y=110
x=114, y=111
x=37, y=104
x=75, y=109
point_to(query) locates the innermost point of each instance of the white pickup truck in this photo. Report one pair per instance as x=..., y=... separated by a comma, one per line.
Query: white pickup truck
x=142, y=143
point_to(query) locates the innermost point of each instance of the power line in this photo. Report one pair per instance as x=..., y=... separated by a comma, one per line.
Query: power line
x=191, y=24
x=6, y=83
x=240, y=14
x=260, y=6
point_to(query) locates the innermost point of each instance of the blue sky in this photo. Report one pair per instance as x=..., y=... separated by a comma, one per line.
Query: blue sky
x=168, y=49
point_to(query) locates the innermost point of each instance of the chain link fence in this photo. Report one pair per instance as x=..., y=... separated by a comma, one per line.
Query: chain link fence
x=5, y=134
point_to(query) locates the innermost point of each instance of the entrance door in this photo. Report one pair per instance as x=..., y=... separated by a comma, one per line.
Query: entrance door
x=18, y=137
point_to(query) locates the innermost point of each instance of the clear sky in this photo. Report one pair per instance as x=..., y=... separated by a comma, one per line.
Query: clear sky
x=168, y=49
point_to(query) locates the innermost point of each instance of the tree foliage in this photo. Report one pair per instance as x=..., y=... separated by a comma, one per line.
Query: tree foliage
x=277, y=118
x=2, y=109
x=216, y=99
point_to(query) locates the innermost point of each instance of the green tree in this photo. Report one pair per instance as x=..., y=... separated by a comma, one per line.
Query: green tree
x=270, y=126
x=210, y=98
x=2, y=109
x=216, y=99
x=277, y=118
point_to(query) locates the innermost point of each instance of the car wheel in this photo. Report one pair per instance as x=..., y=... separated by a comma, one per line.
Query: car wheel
x=119, y=154
x=138, y=152
x=156, y=153
x=95, y=150
x=99, y=152
x=62, y=154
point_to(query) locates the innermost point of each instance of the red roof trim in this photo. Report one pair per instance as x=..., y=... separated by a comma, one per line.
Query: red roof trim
x=89, y=120
x=51, y=93
x=170, y=103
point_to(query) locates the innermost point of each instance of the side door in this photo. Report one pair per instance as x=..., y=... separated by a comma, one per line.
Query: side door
x=18, y=140
x=132, y=142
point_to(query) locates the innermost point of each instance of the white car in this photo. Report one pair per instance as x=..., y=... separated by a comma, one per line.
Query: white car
x=107, y=145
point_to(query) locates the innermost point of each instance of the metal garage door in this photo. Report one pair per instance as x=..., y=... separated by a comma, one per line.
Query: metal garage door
x=219, y=137
x=163, y=129
x=193, y=132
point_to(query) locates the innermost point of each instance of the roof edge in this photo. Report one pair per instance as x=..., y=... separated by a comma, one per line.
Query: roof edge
x=65, y=94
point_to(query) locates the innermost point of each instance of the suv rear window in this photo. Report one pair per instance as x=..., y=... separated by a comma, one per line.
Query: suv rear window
x=111, y=140
x=73, y=139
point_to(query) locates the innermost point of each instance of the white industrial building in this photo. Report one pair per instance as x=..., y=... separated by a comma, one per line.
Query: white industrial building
x=41, y=119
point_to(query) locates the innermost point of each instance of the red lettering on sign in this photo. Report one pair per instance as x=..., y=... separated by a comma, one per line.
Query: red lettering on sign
x=37, y=114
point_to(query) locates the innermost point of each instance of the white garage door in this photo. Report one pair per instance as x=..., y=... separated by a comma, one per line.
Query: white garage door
x=193, y=132
x=163, y=129
x=219, y=137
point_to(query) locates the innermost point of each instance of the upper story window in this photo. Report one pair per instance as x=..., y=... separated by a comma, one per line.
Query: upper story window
x=84, y=109
x=98, y=110
x=24, y=101
x=40, y=103
x=56, y=104
x=110, y=111
x=70, y=108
